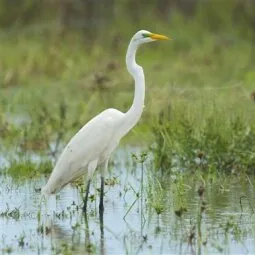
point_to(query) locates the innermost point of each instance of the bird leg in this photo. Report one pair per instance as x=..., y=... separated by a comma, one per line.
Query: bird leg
x=91, y=168
x=101, y=218
x=101, y=203
x=85, y=201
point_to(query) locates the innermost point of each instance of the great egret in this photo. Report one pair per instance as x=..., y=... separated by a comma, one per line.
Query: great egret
x=93, y=144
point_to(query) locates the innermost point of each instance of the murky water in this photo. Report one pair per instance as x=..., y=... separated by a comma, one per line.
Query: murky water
x=130, y=224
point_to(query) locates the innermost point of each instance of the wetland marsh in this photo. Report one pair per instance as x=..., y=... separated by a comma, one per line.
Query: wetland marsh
x=181, y=182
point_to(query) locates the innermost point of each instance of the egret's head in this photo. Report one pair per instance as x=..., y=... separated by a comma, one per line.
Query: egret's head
x=144, y=36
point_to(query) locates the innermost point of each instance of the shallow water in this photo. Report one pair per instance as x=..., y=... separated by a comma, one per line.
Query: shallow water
x=224, y=227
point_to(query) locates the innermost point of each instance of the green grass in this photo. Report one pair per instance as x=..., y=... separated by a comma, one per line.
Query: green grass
x=212, y=130
x=23, y=169
x=198, y=88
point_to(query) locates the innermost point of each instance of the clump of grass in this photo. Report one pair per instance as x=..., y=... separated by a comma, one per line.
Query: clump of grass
x=41, y=229
x=21, y=240
x=156, y=194
x=8, y=213
x=23, y=169
x=112, y=181
x=207, y=135
x=7, y=249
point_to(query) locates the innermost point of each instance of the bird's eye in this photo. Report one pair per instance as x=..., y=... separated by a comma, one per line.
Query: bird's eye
x=146, y=35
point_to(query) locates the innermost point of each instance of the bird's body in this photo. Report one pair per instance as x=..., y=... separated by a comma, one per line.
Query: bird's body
x=96, y=140
x=83, y=149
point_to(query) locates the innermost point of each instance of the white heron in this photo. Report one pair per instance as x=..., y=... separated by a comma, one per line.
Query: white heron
x=92, y=146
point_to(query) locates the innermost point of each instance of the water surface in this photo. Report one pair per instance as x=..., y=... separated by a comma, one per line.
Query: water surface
x=131, y=224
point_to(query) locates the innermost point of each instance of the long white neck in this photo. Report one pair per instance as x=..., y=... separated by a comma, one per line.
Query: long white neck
x=134, y=113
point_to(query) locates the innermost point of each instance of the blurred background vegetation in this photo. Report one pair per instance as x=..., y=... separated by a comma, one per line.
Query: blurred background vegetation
x=62, y=61
x=93, y=15
x=50, y=37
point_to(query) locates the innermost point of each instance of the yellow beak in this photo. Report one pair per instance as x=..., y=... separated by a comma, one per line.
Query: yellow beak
x=158, y=37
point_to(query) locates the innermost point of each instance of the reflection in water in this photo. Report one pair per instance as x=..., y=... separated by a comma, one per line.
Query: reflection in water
x=163, y=214
x=59, y=232
x=102, y=251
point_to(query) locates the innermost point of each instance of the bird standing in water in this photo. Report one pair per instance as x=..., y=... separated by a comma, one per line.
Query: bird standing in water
x=92, y=146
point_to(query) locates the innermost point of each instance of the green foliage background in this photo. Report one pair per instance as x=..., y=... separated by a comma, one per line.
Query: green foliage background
x=63, y=61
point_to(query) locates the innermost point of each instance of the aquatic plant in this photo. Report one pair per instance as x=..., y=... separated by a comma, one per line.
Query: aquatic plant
x=27, y=168
x=214, y=141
